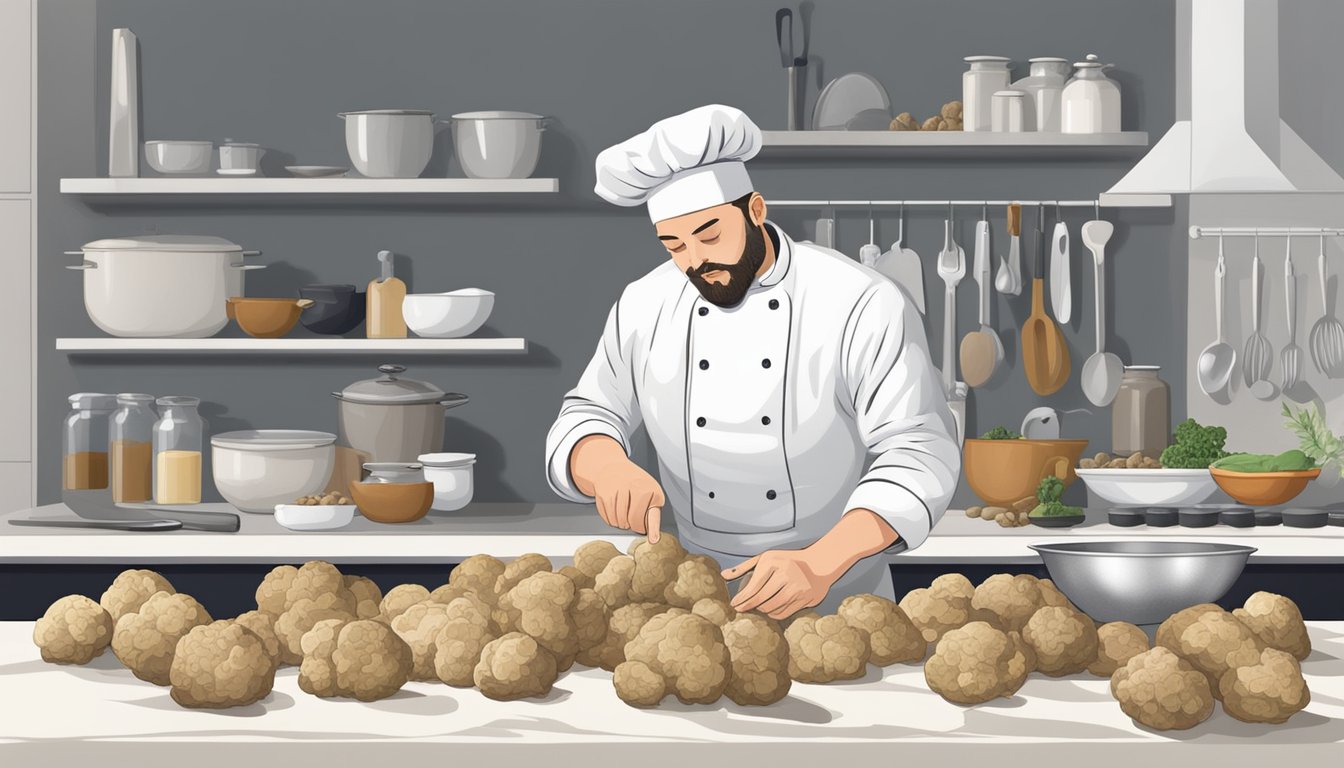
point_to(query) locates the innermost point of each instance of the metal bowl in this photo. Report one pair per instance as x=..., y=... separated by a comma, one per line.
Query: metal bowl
x=1142, y=582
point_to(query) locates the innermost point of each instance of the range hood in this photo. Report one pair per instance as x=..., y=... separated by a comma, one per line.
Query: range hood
x=1228, y=137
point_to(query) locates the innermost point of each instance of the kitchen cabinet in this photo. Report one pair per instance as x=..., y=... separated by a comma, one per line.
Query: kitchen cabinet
x=16, y=326
x=16, y=96
x=16, y=486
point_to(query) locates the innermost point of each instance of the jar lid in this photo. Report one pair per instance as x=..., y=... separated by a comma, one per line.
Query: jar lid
x=232, y=143
x=272, y=439
x=1091, y=62
x=188, y=243
x=444, y=460
x=1047, y=60
x=390, y=390
x=93, y=401
x=974, y=59
x=134, y=398
x=1009, y=94
x=389, y=112
x=181, y=400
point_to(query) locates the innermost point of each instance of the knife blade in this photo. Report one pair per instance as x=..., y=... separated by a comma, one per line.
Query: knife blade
x=109, y=525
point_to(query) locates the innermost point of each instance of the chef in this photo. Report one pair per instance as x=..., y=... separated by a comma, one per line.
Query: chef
x=766, y=372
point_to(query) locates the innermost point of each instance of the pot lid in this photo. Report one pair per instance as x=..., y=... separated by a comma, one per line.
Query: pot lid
x=189, y=243
x=1011, y=94
x=250, y=439
x=390, y=390
x=444, y=460
x=497, y=115
x=1047, y=60
x=389, y=112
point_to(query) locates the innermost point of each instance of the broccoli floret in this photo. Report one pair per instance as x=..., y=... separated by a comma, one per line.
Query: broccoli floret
x=1050, y=489
x=1196, y=446
x=1000, y=433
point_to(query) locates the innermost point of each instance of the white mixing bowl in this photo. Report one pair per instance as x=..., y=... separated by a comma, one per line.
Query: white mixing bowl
x=256, y=469
x=447, y=315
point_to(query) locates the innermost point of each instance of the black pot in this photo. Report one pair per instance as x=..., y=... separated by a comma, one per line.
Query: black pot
x=337, y=309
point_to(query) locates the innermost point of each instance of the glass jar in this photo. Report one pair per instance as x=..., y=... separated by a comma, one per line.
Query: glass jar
x=1044, y=87
x=1141, y=413
x=1009, y=112
x=132, y=448
x=395, y=472
x=1091, y=101
x=85, y=442
x=179, y=438
x=978, y=84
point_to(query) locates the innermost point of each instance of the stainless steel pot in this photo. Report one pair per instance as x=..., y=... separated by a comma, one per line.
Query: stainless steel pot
x=498, y=145
x=161, y=286
x=389, y=143
x=391, y=419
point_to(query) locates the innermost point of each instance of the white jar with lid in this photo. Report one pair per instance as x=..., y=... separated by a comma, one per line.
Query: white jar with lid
x=1044, y=87
x=1091, y=101
x=986, y=75
x=1009, y=112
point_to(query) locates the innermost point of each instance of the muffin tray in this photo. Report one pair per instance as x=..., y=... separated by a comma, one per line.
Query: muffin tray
x=1234, y=517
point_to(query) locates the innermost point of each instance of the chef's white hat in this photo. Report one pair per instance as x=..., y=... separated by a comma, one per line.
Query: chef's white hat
x=684, y=163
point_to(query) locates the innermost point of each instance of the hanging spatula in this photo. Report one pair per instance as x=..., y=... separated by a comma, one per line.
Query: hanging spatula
x=1045, y=356
x=901, y=265
x=1061, y=280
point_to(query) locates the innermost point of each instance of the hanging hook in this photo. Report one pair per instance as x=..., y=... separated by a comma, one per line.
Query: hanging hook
x=984, y=210
x=1096, y=209
x=900, y=222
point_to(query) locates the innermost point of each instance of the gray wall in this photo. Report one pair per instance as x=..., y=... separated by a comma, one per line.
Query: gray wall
x=277, y=72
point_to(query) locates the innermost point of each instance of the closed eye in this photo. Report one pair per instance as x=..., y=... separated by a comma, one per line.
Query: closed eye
x=677, y=248
x=710, y=240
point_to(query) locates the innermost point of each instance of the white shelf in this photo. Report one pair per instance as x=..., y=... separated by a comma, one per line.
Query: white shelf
x=306, y=346
x=845, y=140
x=340, y=185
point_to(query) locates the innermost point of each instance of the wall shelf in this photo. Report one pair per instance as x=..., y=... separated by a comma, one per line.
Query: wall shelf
x=111, y=345
x=337, y=187
x=1032, y=144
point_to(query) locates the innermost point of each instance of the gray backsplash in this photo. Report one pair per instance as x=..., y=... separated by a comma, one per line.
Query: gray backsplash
x=278, y=72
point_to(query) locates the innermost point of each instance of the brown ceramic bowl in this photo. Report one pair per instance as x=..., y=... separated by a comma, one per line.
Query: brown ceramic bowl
x=267, y=318
x=1263, y=489
x=1004, y=471
x=392, y=502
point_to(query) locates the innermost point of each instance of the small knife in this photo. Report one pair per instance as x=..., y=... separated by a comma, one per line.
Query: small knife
x=110, y=525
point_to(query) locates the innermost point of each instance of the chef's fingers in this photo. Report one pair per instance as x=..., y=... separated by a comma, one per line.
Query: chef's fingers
x=753, y=586
x=741, y=568
x=792, y=607
x=622, y=512
x=653, y=522
x=768, y=590
x=786, y=595
x=604, y=510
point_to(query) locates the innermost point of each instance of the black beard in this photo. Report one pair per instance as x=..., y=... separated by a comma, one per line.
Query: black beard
x=740, y=274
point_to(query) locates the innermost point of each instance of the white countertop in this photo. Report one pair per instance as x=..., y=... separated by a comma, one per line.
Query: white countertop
x=67, y=715
x=555, y=530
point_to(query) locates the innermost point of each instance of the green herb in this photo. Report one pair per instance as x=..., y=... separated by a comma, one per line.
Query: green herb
x=1314, y=438
x=1050, y=489
x=1000, y=433
x=1196, y=446
x=1054, y=509
x=1288, y=461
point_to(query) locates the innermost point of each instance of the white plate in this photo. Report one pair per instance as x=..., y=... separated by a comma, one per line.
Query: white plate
x=316, y=171
x=236, y=171
x=321, y=517
x=845, y=97
x=1149, y=487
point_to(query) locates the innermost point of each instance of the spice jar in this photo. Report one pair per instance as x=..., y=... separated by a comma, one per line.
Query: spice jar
x=1009, y=112
x=178, y=442
x=1141, y=413
x=132, y=448
x=1045, y=90
x=85, y=442
x=987, y=75
x=1091, y=101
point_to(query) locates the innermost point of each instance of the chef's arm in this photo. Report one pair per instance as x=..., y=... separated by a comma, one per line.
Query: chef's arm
x=590, y=457
x=859, y=534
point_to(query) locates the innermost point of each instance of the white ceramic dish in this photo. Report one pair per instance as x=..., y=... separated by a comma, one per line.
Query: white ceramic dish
x=845, y=97
x=256, y=469
x=179, y=157
x=316, y=171
x=453, y=477
x=1149, y=487
x=447, y=315
x=320, y=517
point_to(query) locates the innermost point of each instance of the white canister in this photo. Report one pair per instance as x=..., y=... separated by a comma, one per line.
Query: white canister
x=986, y=75
x=1044, y=87
x=1091, y=101
x=1009, y=112
x=239, y=157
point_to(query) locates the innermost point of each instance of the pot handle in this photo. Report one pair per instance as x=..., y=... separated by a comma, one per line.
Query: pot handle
x=251, y=253
x=246, y=267
x=454, y=399
x=304, y=303
x=74, y=253
x=83, y=266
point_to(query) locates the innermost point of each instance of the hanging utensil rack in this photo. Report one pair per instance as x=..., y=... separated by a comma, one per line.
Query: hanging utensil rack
x=1197, y=232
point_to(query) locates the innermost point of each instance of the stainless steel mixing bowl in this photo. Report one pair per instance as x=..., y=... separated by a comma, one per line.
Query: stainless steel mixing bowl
x=1142, y=582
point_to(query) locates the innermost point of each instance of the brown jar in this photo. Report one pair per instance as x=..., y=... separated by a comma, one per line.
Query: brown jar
x=1141, y=413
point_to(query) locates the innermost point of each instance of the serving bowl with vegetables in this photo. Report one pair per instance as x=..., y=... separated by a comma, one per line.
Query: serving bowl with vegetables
x=1265, y=480
x=1179, y=479
x=1051, y=512
x=1003, y=468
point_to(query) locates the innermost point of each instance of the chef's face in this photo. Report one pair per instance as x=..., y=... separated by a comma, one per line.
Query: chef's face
x=720, y=249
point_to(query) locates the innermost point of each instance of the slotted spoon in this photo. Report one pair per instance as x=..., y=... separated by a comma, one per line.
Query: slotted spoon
x=1327, y=335
x=1291, y=357
x=1258, y=356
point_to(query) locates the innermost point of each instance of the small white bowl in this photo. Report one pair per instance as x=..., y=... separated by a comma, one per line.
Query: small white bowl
x=319, y=517
x=447, y=315
x=453, y=477
x=1149, y=487
x=179, y=157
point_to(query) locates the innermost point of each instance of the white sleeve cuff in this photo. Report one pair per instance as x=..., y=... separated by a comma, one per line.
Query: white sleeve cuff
x=899, y=506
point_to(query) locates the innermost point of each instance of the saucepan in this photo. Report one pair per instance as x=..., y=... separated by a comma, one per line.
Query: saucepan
x=389, y=143
x=392, y=419
x=498, y=145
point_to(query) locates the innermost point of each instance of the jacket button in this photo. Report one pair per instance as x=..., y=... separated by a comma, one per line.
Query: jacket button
x=704, y=364
x=700, y=422
x=705, y=311
x=774, y=303
x=765, y=420
x=765, y=363
x=770, y=495
x=711, y=494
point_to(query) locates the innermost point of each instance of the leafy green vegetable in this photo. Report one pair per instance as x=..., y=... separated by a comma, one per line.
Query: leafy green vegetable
x=1050, y=489
x=1196, y=446
x=1288, y=461
x=1314, y=437
x=1054, y=509
x=1000, y=433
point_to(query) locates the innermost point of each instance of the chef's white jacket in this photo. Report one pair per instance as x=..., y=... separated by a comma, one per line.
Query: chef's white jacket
x=764, y=415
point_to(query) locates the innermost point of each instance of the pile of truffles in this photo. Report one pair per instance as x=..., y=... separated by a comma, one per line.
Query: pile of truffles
x=1134, y=460
x=659, y=620
x=1014, y=516
x=947, y=119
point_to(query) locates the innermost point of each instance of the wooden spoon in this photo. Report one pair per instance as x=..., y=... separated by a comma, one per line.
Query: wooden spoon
x=1045, y=356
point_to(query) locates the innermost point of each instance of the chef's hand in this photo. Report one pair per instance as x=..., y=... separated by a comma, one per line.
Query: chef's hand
x=629, y=498
x=783, y=582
